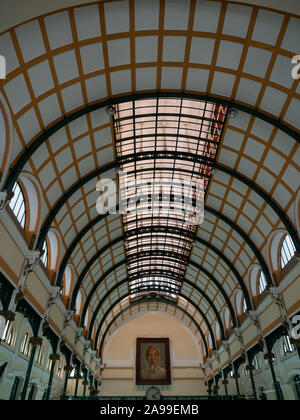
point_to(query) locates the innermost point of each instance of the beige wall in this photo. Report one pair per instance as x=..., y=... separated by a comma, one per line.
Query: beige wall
x=70, y=335
x=249, y=334
x=291, y=294
x=119, y=355
x=37, y=290
x=57, y=317
x=270, y=314
x=10, y=255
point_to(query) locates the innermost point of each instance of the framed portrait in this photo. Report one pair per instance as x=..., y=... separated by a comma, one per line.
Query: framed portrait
x=153, y=361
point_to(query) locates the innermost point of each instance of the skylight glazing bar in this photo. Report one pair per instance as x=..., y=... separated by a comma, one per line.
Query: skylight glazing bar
x=163, y=144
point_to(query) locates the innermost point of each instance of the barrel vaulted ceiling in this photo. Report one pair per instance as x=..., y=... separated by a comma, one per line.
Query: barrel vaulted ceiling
x=63, y=68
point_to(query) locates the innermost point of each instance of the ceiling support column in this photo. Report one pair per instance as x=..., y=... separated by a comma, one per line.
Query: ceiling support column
x=54, y=358
x=34, y=342
x=277, y=386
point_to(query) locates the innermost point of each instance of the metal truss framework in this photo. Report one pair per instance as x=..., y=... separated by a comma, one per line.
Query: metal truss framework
x=149, y=290
x=168, y=256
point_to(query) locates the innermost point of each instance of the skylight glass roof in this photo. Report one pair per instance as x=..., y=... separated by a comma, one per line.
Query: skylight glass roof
x=166, y=149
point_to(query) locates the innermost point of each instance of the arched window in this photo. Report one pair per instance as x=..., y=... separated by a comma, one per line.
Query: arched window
x=287, y=252
x=218, y=331
x=87, y=318
x=285, y=346
x=40, y=355
x=256, y=363
x=78, y=303
x=5, y=331
x=10, y=336
x=25, y=346
x=44, y=257
x=60, y=370
x=210, y=343
x=67, y=281
x=240, y=303
x=17, y=204
x=51, y=255
x=227, y=318
x=262, y=282
x=8, y=333
x=245, y=308
x=49, y=365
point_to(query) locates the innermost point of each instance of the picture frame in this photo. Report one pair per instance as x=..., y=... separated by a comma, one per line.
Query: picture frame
x=153, y=361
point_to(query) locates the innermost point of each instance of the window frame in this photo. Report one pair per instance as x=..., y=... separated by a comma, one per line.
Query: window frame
x=262, y=283
x=40, y=356
x=287, y=251
x=45, y=256
x=286, y=347
x=24, y=348
x=244, y=307
x=18, y=205
x=8, y=333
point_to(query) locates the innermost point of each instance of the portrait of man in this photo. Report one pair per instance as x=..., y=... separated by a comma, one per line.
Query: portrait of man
x=153, y=370
x=153, y=361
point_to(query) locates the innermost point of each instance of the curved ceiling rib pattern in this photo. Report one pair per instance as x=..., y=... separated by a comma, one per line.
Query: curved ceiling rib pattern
x=198, y=294
x=192, y=284
x=182, y=304
x=73, y=62
x=130, y=310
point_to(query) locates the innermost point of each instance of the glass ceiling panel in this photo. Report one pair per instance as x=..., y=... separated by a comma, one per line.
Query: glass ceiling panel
x=166, y=149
